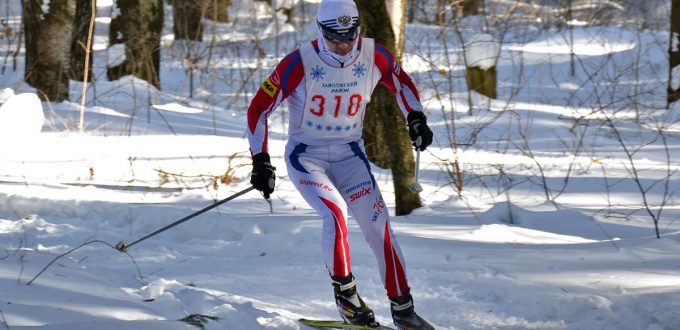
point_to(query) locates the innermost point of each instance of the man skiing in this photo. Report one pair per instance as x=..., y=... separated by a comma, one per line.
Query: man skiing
x=328, y=83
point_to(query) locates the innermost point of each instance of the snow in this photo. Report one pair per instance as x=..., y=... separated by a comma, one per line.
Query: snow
x=276, y=4
x=674, y=42
x=5, y=94
x=549, y=232
x=675, y=77
x=21, y=116
x=177, y=108
x=45, y=6
x=482, y=51
x=115, y=55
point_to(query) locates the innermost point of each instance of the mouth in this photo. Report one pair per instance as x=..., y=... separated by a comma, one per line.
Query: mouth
x=342, y=52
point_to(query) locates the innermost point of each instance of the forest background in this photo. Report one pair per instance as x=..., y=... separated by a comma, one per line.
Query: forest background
x=549, y=193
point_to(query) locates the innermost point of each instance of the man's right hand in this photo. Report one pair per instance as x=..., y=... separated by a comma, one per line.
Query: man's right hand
x=263, y=176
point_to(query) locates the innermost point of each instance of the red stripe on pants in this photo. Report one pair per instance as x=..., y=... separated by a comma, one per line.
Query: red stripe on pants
x=341, y=262
x=395, y=277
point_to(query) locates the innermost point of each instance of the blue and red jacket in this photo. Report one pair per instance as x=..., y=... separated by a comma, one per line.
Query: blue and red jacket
x=287, y=82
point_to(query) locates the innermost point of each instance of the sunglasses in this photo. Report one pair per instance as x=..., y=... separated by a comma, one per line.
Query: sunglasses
x=338, y=38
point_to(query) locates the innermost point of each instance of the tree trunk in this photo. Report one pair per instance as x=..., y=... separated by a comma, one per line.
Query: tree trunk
x=674, y=54
x=48, y=45
x=385, y=134
x=396, y=10
x=217, y=10
x=138, y=27
x=482, y=81
x=470, y=7
x=81, y=32
x=375, y=23
x=288, y=12
x=187, y=20
x=411, y=15
x=441, y=5
x=481, y=57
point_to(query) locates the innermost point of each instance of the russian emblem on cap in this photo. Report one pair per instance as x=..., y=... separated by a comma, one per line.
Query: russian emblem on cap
x=344, y=21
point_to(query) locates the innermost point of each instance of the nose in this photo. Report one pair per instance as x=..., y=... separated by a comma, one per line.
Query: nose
x=340, y=48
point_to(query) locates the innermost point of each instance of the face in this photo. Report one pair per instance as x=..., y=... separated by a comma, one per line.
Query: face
x=343, y=48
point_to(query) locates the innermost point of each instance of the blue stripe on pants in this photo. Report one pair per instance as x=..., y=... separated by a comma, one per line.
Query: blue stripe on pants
x=295, y=157
x=360, y=153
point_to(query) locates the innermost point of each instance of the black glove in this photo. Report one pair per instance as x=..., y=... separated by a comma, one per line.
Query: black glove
x=420, y=133
x=263, y=176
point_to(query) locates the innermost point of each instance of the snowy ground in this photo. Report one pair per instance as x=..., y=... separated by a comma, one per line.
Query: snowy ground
x=480, y=260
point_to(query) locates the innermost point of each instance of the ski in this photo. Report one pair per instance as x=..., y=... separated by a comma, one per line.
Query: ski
x=333, y=324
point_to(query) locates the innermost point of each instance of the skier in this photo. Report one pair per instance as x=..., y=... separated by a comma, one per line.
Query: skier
x=328, y=83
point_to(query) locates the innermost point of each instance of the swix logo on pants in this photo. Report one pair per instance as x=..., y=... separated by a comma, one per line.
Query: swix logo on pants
x=359, y=194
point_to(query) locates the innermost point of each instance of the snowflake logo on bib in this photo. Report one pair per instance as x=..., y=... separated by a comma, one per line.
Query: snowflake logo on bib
x=359, y=69
x=318, y=73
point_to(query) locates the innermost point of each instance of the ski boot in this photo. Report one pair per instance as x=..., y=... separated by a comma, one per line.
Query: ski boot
x=404, y=316
x=352, y=308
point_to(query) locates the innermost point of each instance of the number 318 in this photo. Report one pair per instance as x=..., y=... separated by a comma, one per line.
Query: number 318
x=320, y=106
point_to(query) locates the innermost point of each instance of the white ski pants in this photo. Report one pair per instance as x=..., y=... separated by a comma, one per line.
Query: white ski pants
x=337, y=179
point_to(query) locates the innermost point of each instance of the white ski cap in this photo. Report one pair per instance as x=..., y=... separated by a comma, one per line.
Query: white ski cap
x=341, y=16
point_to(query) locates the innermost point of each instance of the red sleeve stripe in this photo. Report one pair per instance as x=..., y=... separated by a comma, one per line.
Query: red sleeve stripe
x=381, y=50
x=397, y=81
x=284, y=80
x=404, y=101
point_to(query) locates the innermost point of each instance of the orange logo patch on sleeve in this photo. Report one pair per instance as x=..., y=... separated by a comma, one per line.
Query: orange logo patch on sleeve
x=269, y=88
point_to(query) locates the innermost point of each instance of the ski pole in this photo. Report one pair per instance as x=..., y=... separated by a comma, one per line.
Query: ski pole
x=123, y=247
x=416, y=187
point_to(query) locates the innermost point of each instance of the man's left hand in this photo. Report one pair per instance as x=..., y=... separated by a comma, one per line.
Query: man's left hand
x=420, y=133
